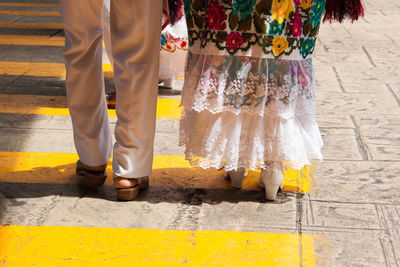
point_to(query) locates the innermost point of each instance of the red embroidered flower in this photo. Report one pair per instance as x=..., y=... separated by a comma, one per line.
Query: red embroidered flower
x=296, y=3
x=234, y=40
x=296, y=25
x=216, y=16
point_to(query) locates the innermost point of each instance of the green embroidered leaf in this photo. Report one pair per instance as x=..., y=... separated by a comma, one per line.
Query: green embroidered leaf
x=314, y=31
x=198, y=20
x=247, y=36
x=245, y=24
x=259, y=25
x=221, y=36
x=290, y=40
x=264, y=7
x=189, y=21
x=233, y=21
x=307, y=27
x=197, y=5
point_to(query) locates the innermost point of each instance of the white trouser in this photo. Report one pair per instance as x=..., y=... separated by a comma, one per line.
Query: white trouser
x=135, y=40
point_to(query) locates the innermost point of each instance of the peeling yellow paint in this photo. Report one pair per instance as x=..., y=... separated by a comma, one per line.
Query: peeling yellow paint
x=83, y=246
x=38, y=40
x=31, y=25
x=168, y=171
x=11, y=4
x=29, y=13
x=57, y=106
x=39, y=69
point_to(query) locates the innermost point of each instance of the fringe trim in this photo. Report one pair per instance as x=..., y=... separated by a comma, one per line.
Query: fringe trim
x=339, y=10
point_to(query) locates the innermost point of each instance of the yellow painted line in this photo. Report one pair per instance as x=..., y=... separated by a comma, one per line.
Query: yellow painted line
x=93, y=246
x=31, y=40
x=40, y=69
x=31, y=25
x=27, y=5
x=57, y=106
x=30, y=13
x=168, y=171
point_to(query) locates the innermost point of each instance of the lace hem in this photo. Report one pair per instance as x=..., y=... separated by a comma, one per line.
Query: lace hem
x=249, y=141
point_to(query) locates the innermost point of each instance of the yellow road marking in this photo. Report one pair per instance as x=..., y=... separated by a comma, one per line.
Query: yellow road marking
x=29, y=13
x=28, y=5
x=31, y=40
x=169, y=171
x=31, y=25
x=57, y=106
x=93, y=246
x=40, y=69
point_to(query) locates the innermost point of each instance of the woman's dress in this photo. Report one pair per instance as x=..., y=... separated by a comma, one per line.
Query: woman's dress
x=174, y=46
x=248, y=97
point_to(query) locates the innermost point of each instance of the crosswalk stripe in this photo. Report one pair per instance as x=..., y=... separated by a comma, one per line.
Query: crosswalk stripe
x=40, y=69
x=168, y=171
x=94, y=246
x=30, y=13
x=31, y=25
x=10, y=4
x=31, y=40
x=167, y=108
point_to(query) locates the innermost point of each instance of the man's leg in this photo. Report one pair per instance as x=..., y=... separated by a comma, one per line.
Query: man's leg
x=135, y=42
x=85, y=81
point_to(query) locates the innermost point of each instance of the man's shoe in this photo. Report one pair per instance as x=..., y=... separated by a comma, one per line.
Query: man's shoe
x=128, y=188
x=111, y=100
x=92, y=176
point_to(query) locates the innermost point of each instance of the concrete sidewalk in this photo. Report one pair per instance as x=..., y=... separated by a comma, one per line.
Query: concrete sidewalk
x=351, y=216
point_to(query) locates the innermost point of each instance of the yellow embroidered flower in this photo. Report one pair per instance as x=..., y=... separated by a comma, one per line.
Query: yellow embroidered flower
x=281, y=10
x=279, y=44
x=306, y=4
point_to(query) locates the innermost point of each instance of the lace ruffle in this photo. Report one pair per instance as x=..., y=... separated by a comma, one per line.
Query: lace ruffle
x=249, y=140
x=266, y=87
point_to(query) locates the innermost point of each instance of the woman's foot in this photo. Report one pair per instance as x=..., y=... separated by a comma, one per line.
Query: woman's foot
x=128, y=188
x=169, y=83
x=271, y=179
x=236, y=177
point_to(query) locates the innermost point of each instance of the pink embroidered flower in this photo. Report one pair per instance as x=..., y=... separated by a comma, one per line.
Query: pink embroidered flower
x=296, y=25
x=234, y=40
x=296, y=3
x=216, y=16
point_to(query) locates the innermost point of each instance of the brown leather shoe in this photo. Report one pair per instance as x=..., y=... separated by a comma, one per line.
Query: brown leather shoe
x=111, y=100
x=128, y=188
x=93, y=176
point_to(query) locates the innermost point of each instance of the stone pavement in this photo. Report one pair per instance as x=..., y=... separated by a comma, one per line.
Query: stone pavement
x=350, y=217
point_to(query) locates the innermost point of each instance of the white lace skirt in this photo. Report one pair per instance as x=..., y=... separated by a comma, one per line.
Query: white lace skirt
x=249, y=112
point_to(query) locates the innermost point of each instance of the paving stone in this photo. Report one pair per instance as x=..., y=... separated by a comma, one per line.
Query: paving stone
x=48, y=140
x=348, y=248
x=326, y=80
x=384, y=148
x=334, y=121
x=357, y=182
x=157, y=208
x=340, y=144
x=390, y=219
x=378, y=103
x=249, y=216
x=47, y=54
x=379, y=126
x=342, y=215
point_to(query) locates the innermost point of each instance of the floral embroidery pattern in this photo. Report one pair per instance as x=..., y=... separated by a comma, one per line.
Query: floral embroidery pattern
x=170, y=43
x=233, y=26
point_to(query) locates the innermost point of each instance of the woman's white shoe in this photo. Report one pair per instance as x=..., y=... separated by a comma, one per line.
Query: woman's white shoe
x=272, y=180
x=236, y=177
